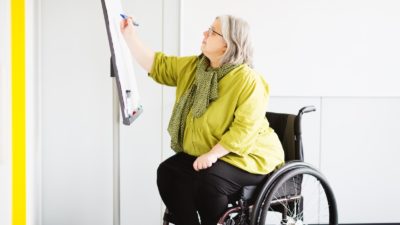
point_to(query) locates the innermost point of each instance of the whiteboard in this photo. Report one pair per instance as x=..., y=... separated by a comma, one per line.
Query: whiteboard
x=121, y=63
x=312, y=47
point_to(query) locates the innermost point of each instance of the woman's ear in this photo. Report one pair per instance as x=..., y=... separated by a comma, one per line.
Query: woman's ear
x=224, y=48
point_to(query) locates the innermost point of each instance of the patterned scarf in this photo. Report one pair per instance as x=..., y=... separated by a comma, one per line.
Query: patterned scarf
x=203, y=91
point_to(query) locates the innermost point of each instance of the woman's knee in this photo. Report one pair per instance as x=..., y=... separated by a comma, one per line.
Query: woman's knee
x=162, y=172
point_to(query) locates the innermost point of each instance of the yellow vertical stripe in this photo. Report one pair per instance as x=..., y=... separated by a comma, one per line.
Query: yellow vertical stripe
x=18, y=112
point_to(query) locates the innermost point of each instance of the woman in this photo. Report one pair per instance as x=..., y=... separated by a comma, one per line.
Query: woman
x=218, y=126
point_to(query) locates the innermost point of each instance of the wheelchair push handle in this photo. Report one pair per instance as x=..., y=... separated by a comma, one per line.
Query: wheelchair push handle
x=307, y=109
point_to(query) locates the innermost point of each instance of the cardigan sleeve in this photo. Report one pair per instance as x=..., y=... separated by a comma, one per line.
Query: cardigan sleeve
x=168, y=70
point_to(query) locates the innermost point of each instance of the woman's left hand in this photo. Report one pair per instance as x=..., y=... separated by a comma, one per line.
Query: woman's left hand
x=206, y=160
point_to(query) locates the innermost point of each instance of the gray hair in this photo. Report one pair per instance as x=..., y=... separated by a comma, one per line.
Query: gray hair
x=236, y=33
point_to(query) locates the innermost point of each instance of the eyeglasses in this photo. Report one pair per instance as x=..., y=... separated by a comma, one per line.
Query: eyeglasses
x=211, y=31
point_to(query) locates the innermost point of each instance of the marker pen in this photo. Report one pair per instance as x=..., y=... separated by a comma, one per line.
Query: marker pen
x=126, y=17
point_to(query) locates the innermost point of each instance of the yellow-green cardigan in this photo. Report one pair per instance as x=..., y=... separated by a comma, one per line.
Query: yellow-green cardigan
x=236, y=119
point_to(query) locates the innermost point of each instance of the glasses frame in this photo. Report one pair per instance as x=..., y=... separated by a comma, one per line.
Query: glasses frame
x=211, y=31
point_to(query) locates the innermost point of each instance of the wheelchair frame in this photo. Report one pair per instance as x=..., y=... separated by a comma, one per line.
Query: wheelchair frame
x=254, y=202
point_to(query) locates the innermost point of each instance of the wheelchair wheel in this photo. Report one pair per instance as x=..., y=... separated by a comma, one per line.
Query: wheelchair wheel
x=300, y=196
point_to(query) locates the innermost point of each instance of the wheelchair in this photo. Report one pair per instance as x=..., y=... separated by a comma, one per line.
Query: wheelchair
x=294, y=194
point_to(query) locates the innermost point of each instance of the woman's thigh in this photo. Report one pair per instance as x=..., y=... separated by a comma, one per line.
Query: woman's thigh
x=227, y=179
x=179, y=164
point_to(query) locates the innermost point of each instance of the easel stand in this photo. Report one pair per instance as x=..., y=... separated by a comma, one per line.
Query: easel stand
x=116, y=151
x=118, y=104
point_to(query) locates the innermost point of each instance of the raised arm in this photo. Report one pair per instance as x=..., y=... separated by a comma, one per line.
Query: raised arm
x=143, y=55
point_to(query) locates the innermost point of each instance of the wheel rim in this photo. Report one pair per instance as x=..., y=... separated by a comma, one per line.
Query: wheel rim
x=311, y=200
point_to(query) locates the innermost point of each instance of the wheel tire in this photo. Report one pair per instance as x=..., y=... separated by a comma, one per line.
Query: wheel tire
x=299, y=209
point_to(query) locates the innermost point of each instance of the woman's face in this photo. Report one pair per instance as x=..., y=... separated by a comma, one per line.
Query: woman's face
x=213, y=45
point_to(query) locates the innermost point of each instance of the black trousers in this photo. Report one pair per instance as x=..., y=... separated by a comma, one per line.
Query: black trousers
x=188, y=193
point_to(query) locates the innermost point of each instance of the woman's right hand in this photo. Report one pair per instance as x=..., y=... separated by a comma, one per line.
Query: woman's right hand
x=126, y=27
x=143, y=55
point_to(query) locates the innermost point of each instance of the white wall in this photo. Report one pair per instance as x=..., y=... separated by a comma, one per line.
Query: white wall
x=359, y=155
x=5, y=114
x=32, y=84
x=76, y=114
x=76, y=118
x=313, y=47
x=338, y=56
x=141, y=142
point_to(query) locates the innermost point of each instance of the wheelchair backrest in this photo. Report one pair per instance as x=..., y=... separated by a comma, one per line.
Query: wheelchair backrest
x=285, y=126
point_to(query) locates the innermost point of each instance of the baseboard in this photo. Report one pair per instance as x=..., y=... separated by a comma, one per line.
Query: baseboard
x=369, y=223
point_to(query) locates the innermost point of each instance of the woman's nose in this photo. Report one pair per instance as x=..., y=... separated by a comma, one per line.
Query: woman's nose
x=205, y=33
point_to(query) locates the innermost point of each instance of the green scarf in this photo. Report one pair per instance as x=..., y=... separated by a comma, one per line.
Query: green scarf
x=203, y=91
